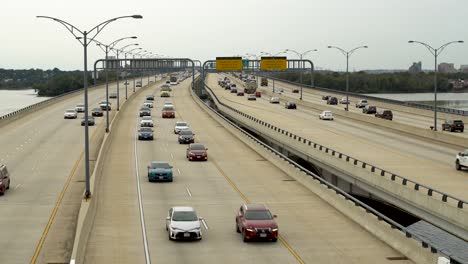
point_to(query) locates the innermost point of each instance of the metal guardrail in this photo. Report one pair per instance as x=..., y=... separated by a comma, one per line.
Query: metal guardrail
x=29, y=107
x=338, y=191
x=390, y=101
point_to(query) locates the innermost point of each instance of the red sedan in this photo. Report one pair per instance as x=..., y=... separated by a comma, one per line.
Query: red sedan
x=255, y=221
x=197, y=152
x=168, y=112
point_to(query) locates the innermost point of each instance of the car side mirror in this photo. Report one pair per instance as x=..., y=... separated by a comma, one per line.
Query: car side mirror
x=275, y=216
x=171, y=167
x=206, y=149
x=200, y=218
x=461, y=154
x=148, y=167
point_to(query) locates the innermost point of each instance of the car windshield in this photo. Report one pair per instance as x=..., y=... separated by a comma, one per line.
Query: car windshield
x=186, y=132
x=79, y=105
x=457, y=121
x=258, y=215
x=197, y=147
x=363, y=101
x=70, y=111
x=89, y=117
x=146, y=129
x=144, y=109
x=161, y=165
x=168, y=108
x=327, y=113
x=181, y=124
x=184, y=216
x=97, y=110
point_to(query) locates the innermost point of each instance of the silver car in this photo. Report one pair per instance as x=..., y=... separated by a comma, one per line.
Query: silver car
x=70, y=113
x=182, y=222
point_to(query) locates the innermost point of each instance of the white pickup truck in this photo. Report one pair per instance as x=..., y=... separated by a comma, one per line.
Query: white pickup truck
x=462, y=160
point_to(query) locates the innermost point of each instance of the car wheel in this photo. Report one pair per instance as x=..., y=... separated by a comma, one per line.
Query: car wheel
x=457, y=165
x=244, y=237
x=237, y=228
x=274, y=239
x=169, y=236
x=8, y=186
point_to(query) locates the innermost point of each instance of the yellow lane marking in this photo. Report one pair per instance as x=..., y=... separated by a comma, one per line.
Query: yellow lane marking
x=233, y=185
x=54, y=212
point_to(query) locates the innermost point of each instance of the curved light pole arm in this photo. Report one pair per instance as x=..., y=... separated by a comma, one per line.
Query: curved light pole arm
x=353, y=50
x=446, y=44
x=431, y=49
x=102, y=25
x=112, y=45
x=297, y=53
x=67, y=25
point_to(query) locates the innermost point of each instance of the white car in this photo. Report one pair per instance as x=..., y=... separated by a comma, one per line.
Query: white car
x=462, y=160
x=148, y=104
x=279, y=90
x=274, y=100
x=251, y=97
x=183, y=222
x=362, y=103
x=344, y=100
x=146, y=121
x=79, y=108
x=180, y=125
x=70, y=114
x=326, y=115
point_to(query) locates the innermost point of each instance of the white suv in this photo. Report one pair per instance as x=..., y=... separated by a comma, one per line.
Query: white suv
x=183, y=222
x=362, y=103
x=461, y=160
x=70, y=113
x=180, y=126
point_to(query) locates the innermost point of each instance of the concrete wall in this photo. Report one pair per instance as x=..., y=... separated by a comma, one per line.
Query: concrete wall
x=394, y=238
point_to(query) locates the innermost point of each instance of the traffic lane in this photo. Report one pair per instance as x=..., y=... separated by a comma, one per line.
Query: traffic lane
x=443, y=178
x=301, y=214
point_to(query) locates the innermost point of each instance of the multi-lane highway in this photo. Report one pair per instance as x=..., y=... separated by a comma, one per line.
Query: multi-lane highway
x=311, y=230
x=43, y=151
x=429, y=163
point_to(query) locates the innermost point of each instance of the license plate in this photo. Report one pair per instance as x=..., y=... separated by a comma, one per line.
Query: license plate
x=198, y=156
x=186, y=234
x=263, y=235
x=161, y=177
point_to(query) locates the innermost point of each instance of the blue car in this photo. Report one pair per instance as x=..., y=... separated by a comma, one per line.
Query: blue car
x=160, y=171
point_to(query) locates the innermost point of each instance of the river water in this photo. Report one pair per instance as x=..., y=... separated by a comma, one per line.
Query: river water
x=448, y=100
x=12, y=100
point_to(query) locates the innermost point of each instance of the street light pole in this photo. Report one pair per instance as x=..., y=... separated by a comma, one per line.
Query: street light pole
x=106, y=50
x=302, y=64
x=347, y=54
x=127, y=53
x=436, y=53
x=82, y=37
x=117, y=51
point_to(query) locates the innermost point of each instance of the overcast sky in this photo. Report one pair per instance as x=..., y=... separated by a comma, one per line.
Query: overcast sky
x=205, y=29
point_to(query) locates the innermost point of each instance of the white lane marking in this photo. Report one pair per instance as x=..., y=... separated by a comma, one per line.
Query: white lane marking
x=172, y=156
x=17, y=186
x=204, y=224
x=178, y=171
x=140, y=204
x=188, y=191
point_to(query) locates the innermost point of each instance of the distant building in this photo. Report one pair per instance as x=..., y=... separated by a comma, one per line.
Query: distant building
x=446, y=68
x=464, y=68
x=415, y=68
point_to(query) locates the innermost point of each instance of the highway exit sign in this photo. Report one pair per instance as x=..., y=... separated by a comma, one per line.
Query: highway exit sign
x=229, y=63
x=273, y=63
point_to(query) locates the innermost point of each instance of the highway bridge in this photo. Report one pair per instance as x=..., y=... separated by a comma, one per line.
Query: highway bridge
x=46, y=220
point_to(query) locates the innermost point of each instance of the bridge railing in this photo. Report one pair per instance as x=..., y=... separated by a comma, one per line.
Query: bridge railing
x=374, y=98
x=368, y=209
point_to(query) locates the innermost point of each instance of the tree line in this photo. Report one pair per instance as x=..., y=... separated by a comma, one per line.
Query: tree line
x=362, y=82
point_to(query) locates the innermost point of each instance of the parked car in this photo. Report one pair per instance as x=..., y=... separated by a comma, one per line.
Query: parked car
x=385, y=114
x=70, y=114
x=461, y=160
x=145, y=111
x=251, y=97
x=146, y=121
x=148, y=104
x=295, y=90
x=369, y=109
x=325, y=97
x=145, y=133
x=179, y=126
x=240, y=93
x=150, y=97
x=160, y=171
x=234, y=90
x=168, y=112
x=290, y=105
x=362, y=103
x=79, y=108
x=5, y=180
x=165, y=94
x=182, y=222
x=274, y=100
x=113, y=95
x=453, y=125
x=255, y=221
x=197, y=152
x=332, y=100
x=186, y=137
x=258, y=94
x=97, y=112
x=90, y=121
x=344, y=100
x=326, y=115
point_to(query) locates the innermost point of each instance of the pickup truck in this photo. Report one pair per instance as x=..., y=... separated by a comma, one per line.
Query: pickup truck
x=453, y=125
x=461, y=160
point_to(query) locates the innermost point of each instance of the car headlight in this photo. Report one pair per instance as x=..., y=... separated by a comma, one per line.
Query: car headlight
x=250, y=229
x=274, y=229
